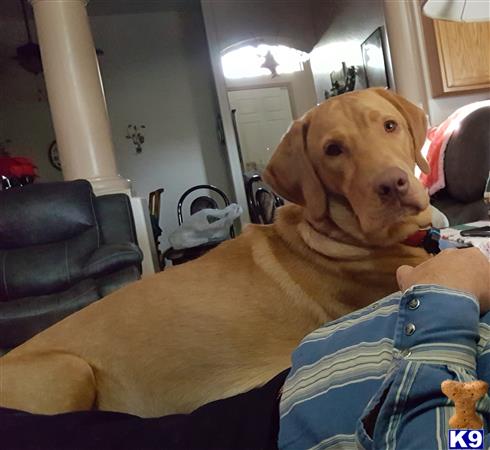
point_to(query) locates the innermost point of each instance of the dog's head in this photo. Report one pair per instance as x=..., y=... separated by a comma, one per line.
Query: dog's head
x=362, y=146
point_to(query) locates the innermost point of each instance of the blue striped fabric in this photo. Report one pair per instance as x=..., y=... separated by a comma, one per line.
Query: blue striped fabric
x=371, y=380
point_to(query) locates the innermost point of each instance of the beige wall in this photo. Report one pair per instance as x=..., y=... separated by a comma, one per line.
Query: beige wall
x=289, y=23
x=24, y=109
x=239, y=20
x=442, y=107
x=342, y=27
x=156, y=72
x=300, y=85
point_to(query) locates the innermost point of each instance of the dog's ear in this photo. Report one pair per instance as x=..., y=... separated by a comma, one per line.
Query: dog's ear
x=417, y=123
x=291, y=174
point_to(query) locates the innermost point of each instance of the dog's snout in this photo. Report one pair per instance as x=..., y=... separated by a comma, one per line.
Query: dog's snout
x=392, y=183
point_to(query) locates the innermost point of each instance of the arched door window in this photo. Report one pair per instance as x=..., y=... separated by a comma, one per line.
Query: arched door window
x=249, y=61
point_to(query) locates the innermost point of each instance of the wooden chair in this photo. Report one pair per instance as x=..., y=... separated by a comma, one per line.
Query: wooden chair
x=154, y=202
x=262, y=201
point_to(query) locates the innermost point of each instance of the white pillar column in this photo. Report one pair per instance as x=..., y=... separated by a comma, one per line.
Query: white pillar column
x=79, y=110
x=76, y=95
x=405, y=53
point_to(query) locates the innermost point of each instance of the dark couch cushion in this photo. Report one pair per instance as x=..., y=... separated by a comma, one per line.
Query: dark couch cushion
x=42, y=269
x=467, y=157
x=459, y=212
x=22, y=318
x=44, y=213
x=112, y=257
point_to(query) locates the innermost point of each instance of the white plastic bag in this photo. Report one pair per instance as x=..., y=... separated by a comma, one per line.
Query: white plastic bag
x=205, y=226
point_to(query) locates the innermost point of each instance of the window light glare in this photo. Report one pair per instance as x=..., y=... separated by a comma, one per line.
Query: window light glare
x=245, y=62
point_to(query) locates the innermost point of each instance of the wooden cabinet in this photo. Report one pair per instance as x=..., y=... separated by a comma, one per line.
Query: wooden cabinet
x=459, y=55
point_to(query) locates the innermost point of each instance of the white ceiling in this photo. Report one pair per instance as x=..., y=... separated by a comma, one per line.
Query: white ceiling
x=12, y=8
x=105, y=7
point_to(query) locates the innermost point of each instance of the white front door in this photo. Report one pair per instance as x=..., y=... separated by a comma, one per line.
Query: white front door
x=262, y=115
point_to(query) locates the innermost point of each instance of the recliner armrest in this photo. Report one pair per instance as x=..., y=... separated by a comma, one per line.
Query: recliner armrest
x=115, y=218
x=111, y=257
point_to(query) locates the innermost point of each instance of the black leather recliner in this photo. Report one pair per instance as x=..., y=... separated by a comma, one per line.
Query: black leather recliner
x=61, y=248
x=466, y=168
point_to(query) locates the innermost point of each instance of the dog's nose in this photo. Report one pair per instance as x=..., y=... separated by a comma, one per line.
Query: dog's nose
x=392, y=183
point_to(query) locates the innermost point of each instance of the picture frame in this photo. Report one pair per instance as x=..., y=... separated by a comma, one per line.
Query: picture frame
x=343, y=80
x=374, y=59
x=338, y=76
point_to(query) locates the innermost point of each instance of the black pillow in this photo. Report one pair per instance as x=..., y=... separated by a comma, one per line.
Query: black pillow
x=42, y=213
x=467, y=157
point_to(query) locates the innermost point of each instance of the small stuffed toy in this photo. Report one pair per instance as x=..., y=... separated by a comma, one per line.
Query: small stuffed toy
x=465, y=395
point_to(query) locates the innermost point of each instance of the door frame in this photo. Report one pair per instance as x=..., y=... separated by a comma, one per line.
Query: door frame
x=225, y=110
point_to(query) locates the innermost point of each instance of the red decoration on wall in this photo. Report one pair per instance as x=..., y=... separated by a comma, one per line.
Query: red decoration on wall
x=17, y=167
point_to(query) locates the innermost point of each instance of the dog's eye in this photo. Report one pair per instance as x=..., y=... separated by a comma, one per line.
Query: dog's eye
x=333, y=150
x=390, y=126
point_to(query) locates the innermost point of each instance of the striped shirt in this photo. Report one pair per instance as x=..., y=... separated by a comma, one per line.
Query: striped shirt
x=371, y=380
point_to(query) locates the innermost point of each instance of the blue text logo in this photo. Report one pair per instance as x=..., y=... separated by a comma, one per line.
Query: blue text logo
x=465, y=439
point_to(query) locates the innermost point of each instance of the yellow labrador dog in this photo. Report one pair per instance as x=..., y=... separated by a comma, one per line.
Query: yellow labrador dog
x=229, y=321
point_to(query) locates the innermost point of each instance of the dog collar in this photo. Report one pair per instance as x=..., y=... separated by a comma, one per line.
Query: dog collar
x=427, y=239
